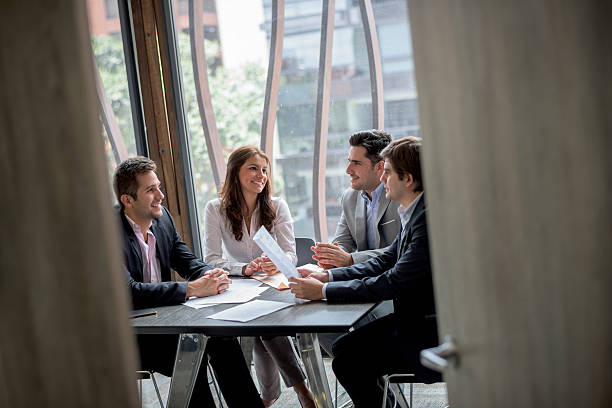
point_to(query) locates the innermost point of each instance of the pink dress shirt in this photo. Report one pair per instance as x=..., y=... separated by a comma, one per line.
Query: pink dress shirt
x=150, y=263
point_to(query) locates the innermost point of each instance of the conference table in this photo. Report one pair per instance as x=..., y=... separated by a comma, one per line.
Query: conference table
x=303, y=321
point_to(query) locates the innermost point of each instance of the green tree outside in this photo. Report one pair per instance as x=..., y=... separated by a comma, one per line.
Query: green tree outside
x=237, y=97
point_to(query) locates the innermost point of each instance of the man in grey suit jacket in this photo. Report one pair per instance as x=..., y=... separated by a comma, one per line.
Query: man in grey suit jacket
x=369, y=222
x=351, y=230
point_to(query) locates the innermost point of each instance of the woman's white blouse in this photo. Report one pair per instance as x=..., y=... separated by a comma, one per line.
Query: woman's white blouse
x=223, y=251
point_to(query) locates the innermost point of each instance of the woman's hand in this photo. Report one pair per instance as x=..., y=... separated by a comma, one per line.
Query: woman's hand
x=267, y=266
x=252, y=267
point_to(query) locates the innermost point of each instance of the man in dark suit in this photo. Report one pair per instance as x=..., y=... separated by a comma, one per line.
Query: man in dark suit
x=392, y=343
x=152, y=247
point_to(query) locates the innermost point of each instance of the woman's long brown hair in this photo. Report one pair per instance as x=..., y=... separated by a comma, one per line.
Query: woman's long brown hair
x=232, y=200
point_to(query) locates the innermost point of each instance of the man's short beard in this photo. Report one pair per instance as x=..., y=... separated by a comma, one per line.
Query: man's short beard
x=357, y=187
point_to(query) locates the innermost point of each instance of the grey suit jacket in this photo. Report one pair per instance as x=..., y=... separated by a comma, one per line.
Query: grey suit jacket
x=351, y=229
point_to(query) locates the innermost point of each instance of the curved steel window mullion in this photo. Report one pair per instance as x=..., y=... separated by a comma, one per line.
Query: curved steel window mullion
x=374, y=60
x=131, y=68
x=321, y=121
x=272, y=83
x=108, y=119
x=200, y=75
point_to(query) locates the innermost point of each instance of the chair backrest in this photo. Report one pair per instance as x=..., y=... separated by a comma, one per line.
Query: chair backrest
x=143, y=375
x=304, y=253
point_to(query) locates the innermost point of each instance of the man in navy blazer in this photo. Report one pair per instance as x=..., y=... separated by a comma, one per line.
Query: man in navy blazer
x=152, y=246
x=392, y=343
x=171, y=250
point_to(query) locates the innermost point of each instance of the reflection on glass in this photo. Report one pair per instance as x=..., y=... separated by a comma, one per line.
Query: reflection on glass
x=237, y=81
x=236, y=43
x=351, y=104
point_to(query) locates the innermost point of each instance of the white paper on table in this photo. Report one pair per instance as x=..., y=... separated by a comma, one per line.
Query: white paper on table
x=236, y=295
x=267, y=244
x=243, y=283
x=277, y=281
x=250, y=311
x=312, y=267
x=198, y=305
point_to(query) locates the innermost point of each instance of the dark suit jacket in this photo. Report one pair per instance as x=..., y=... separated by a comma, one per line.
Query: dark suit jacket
x=172, y=252
x=401, y=273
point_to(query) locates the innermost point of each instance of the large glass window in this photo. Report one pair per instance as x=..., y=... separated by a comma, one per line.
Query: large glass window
x=236, y=71
x=113, y=93
x=351, y=104
x=297, y=107
x=236, y=45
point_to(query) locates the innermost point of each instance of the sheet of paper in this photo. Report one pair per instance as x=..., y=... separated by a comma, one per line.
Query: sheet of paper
x=277, y=281
x=243, y=283
x=197, y=305
x=232, y=295
x=312, y=267
x=250, y=311
x=267, y=244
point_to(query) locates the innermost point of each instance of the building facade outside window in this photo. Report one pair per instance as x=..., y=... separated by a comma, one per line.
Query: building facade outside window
x=236, y=46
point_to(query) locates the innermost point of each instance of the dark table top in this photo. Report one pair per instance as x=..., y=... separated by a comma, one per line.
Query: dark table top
x=310, y=317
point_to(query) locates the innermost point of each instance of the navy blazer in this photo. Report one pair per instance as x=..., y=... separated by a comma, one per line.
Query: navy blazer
x=401, y=273
x=172, y=252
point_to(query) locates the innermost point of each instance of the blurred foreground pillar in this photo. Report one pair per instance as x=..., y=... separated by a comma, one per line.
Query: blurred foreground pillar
x=64, y=336
x=515, y=100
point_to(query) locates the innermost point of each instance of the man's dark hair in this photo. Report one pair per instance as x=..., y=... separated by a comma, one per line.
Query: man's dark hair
x=374, y=141
x=124, y=180
x=405, y=158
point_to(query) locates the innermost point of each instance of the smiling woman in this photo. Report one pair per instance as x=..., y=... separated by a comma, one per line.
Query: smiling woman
x=249, y=165
x=245, y=205
x=253, y=176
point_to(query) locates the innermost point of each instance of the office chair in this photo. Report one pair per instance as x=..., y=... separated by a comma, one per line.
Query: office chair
x=213, y=380
x=148, y=375
x=302, y=248
x=394, y=379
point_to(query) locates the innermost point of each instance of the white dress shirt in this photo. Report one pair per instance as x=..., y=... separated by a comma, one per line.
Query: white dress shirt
x=405, y=213
x=223, y=251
